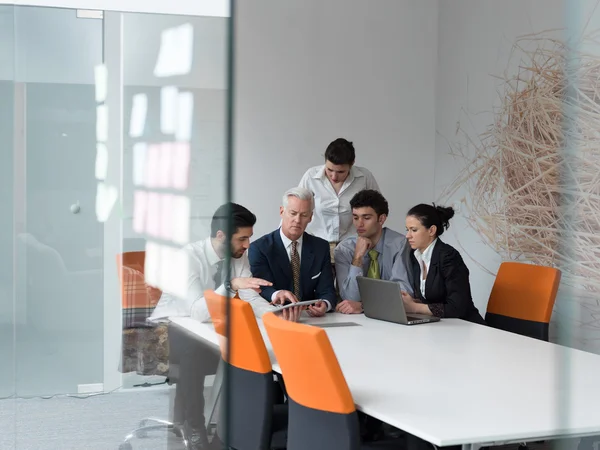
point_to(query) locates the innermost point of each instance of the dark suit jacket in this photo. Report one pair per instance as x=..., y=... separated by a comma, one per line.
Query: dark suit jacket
x=269, y=260
x=447, y=285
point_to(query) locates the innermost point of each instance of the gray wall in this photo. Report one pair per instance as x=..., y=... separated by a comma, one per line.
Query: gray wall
x=310, y=71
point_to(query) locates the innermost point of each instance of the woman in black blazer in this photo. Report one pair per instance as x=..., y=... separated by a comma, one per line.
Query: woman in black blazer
x=440, y=277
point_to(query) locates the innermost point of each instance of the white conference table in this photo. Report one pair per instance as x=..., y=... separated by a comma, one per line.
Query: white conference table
x=454, y=382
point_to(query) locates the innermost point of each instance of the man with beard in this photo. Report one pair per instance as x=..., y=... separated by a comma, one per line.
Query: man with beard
x=207, y=270
x=195, y=359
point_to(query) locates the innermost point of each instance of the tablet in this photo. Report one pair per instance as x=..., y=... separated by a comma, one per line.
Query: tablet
x=291, y=305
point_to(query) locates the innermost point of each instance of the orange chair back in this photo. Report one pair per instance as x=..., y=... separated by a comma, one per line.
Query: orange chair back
x=247, y=347
x=312, y=373
x=524, y=291
x=135, y=293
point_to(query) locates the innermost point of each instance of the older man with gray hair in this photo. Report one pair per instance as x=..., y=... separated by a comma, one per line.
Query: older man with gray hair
x=297, y=263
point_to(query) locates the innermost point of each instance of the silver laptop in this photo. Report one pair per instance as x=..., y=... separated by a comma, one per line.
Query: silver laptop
x=382, y=300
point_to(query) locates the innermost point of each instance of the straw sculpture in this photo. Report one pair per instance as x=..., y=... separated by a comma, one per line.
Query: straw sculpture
x=520, y=183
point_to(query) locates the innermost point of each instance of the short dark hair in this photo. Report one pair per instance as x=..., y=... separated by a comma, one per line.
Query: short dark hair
x=370, y=198
x=240, y=218
x=340, y=152
x=430, y=215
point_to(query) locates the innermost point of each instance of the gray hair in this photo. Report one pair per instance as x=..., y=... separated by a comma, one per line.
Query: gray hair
x=301, y=193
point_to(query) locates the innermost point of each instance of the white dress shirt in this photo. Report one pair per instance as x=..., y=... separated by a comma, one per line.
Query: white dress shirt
x=287, y=244
x=424, y=260
x=203, y=261
x=332, y=218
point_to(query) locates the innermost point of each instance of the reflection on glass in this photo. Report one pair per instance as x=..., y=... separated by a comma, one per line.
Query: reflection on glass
x=59, y=279
x=62, y=201
x=9, y=319
x=101, y=81
x=138, y=115
x=173, y=180
x=101, y=161
x=176, y=51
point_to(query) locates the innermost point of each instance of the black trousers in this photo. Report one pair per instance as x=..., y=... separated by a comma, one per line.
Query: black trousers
x=190, y=361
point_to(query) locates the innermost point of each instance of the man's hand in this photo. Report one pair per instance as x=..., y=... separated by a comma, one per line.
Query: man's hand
x=282, y=296
x=292, y=314
x=363, y=245
x=318, y=309
x=349, y=307
x=249, y=283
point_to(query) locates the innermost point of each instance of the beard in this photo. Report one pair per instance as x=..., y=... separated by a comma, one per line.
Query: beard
x=236, y=253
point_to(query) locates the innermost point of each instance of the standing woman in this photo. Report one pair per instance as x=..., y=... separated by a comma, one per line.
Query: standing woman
x=333, y=184
x=440, y=277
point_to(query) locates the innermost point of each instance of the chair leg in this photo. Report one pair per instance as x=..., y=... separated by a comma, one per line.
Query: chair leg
x=213, y=398
x=145, y=422
x=142, y=432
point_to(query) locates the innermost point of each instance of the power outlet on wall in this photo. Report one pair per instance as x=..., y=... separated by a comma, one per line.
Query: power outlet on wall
x=90, y=388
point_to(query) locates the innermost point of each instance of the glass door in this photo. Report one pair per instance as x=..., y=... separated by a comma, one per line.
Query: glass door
x=58, y=241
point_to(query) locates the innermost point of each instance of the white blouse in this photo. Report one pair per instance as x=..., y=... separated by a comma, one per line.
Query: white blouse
x=424, y=261
x=332, y=217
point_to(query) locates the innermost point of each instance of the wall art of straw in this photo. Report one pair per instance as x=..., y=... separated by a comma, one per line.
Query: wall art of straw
x=515, y=179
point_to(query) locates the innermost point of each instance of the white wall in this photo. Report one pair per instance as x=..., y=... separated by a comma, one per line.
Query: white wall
x=310, y=71
x=470, y=51
x=475, y=41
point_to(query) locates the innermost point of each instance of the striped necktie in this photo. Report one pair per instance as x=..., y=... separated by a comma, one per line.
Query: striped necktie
x=295, y=259
x=218, y=276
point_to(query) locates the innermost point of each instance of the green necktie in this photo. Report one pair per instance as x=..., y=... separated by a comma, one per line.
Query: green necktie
x=373, y=271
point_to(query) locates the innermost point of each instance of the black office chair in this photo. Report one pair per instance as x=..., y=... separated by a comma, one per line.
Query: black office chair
x=253, y=419
x=321, y=409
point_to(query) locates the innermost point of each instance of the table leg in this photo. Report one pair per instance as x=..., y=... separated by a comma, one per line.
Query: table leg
x=471, y=446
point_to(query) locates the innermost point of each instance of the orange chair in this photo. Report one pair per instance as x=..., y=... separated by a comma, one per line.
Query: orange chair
x=522, y=299
x=322, y=415
x=253, y=420
x=138, y=299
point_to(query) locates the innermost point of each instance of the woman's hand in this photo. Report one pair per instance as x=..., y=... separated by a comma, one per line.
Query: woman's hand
x=410, y=304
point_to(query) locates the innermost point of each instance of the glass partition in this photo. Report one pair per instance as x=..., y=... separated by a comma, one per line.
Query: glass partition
x=115, y=183
x=113, y=142
x=59, y=249
x=8, y=317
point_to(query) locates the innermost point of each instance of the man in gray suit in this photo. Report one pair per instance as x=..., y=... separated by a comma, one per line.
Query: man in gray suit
x=377, y=251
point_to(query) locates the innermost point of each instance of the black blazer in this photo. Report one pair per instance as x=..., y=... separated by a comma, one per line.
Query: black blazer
x=269, y=261
x=447, y=284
